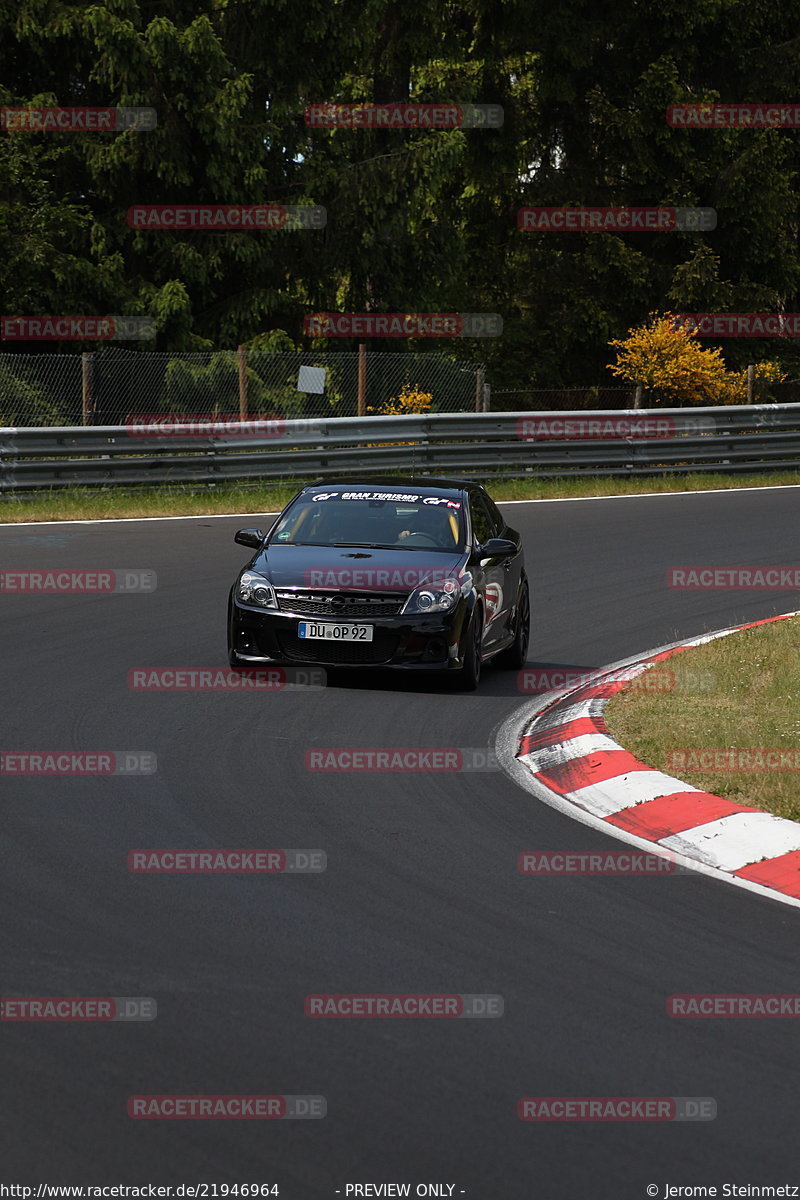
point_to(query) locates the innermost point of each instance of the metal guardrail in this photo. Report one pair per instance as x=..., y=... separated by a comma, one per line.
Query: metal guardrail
x=546, y=444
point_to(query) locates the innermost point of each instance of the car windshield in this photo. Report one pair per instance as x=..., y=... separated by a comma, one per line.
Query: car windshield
x=400, y=520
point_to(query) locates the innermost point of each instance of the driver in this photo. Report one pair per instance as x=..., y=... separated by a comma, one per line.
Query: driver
x=434, y=523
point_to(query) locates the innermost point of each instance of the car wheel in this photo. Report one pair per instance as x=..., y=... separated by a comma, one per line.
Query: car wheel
x=516, y=655
x=468, y=678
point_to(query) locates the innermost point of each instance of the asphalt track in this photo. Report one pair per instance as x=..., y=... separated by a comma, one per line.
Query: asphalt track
x=421, y=894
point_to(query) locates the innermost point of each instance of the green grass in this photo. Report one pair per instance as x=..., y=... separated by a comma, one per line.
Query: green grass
x=95, y=503
x=601, y=485
x=740, y=692
x=74, y=504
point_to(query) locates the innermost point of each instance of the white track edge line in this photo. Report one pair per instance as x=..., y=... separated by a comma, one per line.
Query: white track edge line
x=768, y=487
x=132, y=520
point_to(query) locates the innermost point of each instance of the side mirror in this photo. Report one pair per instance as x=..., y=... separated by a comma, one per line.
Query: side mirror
x=497, y=548
x=249, y=537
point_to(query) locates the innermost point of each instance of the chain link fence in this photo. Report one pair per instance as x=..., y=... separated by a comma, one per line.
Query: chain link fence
x=608, y=398
x=112, y=386
x=574, y=399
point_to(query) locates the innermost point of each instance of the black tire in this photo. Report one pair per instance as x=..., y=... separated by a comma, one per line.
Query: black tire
x=515, y=656
x=468, y=678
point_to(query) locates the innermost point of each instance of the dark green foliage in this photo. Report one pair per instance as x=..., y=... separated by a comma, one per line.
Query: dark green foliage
x=417, y=220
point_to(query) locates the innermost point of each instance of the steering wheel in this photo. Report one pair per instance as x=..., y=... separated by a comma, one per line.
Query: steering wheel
x=414, y=537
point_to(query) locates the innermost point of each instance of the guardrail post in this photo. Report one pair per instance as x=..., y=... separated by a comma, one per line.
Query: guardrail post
x=5, y=474
x=242, y=356
x=86, y=388
x=362, y=379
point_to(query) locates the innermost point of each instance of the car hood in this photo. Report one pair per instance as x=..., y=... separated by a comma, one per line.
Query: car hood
x=355, y=568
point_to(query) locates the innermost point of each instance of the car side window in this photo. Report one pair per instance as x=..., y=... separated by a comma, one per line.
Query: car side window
x=481, y=522
x=497, y=517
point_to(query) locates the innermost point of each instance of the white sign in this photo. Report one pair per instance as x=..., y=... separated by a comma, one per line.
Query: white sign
x=311, y=379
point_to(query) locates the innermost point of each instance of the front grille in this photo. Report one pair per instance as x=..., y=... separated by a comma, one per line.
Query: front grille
x=355, y=604
x=380, y=650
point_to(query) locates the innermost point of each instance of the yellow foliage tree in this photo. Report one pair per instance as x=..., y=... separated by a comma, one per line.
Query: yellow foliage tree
x=666, y=361
x=410, y=400
x=734, y=389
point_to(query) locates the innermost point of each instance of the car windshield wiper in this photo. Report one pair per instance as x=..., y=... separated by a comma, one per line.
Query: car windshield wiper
x=399, y=546
x=370, y=545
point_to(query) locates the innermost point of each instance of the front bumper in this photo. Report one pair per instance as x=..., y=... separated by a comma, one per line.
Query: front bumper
x=425, y=642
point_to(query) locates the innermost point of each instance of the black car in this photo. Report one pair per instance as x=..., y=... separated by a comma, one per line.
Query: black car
x=422, y=574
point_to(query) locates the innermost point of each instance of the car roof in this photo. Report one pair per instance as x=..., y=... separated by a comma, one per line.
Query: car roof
x=419, y=483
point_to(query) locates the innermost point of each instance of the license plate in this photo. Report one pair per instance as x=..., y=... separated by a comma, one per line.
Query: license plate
x=335, y=633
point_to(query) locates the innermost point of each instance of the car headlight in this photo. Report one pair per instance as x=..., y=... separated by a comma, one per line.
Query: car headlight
x=254, y=589
x=438, y=597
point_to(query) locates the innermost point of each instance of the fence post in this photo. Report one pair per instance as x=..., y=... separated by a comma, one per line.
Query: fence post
x=362, y=379
x=637, y=396
x=479, y=377
x=750, y=381
x=487, y=397
x=86, y=388
x=242, y=355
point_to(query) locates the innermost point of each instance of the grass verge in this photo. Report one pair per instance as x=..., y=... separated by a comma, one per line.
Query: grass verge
x=72, y=504
x=739, y=693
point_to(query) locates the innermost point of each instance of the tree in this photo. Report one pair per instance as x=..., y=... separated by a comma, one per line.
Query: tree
x=418, y=220
x=663, y=358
